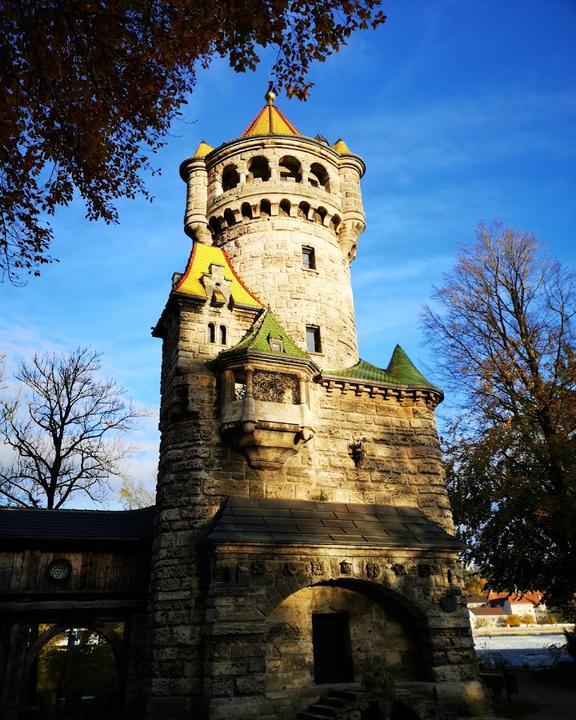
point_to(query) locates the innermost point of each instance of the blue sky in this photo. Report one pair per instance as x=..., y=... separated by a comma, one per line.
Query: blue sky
x=463, y=112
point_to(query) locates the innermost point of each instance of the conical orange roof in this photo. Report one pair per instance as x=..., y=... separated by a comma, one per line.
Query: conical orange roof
x=270, y=121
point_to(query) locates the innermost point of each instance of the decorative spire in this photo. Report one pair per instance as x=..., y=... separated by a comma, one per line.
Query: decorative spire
x=270, y=94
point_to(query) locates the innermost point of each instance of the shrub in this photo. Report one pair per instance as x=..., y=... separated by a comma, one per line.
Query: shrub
x=482, y=623
x=513, y=621
x=528, y=619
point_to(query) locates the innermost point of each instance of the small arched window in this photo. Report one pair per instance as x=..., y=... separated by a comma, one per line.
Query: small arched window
x=303, y=210
x=230, y=177
x=246, y=211
x=319, y=215
x=211, y=333
x=290, y=169
x=214, y=225
x=319, y=176
x=229, y=217
x=335, y=222
x=285, y=206
x=259, y=168
x=265, y=208
x=222, y=334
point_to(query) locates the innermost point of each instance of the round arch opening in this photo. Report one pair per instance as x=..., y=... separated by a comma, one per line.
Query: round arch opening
x=76, y=673
x=338, y=631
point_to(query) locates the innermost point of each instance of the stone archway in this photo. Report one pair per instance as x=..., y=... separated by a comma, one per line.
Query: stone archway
x=367, y=628
x=74, y=669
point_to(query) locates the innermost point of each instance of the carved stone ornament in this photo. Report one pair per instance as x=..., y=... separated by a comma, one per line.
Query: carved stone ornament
x=290, y=568
x=346, y=567
x=399, y=569
x=424, y=570
x=258, y=567
x=217, y=287
x=316, y=568
x=372, y=570
x=449, y=603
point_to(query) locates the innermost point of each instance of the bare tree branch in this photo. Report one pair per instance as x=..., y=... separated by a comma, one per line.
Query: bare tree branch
x=65, y=431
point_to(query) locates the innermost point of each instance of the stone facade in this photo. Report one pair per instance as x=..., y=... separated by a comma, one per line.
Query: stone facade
x=231, y=620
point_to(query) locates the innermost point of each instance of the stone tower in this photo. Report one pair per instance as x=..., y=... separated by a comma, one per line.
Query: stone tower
x=303, y=536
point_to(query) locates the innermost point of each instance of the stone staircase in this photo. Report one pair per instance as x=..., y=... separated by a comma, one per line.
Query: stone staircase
x=362, y=705
x=339, y=705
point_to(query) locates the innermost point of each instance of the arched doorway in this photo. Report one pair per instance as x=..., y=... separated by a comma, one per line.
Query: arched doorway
x=75, y=673
x=337, y=632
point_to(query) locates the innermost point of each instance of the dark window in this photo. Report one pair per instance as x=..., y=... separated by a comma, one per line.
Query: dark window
x=290, y=169
x=230, y=177
x=211, y=332
x=259, y=169
x=313, y=343
x=319, y=176
x=308, y=258
x=223, y=334
x=331, y=647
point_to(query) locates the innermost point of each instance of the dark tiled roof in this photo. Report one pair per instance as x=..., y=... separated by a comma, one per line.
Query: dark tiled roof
x=250, y=520
x=76, y=524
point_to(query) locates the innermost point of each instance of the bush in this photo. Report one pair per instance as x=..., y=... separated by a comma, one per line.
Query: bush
x=513, y=621
x=528, y=619
x=482, y=623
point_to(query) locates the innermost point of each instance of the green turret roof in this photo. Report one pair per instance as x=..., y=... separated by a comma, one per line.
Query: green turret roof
x=400, y=371
x=258, y=338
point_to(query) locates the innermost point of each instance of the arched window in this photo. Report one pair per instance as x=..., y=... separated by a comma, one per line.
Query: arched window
x=319, y=215
x=285, y=206
x=259, y=168
x=265, y=208
x=335, y=222
x=319, y=176
x=214, y=225
x=230, y=177
x=229, y=217
x=290, y=169
x=303, y=210
x=222, y=334
x=246, y=211
x=211, y=333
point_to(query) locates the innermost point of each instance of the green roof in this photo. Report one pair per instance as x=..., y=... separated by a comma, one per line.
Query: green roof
x=258, y=338
x=400, y=371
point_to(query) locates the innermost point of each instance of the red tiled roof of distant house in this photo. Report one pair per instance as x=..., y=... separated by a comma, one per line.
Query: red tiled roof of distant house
x=487, y=611
x=532, y=597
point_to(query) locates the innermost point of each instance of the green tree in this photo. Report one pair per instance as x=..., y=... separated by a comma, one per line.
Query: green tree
x=89, y=89
x=503, y=333
x=64, y=431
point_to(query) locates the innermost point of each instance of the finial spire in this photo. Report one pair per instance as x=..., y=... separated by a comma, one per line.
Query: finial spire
x=270, y=94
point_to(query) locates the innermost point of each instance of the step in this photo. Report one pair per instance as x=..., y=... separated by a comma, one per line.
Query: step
x=307, y=715
x=333, y=701
x=323, y=710
x=348, y=695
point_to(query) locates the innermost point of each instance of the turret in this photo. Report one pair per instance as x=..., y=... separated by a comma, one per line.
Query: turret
x=287, y=210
